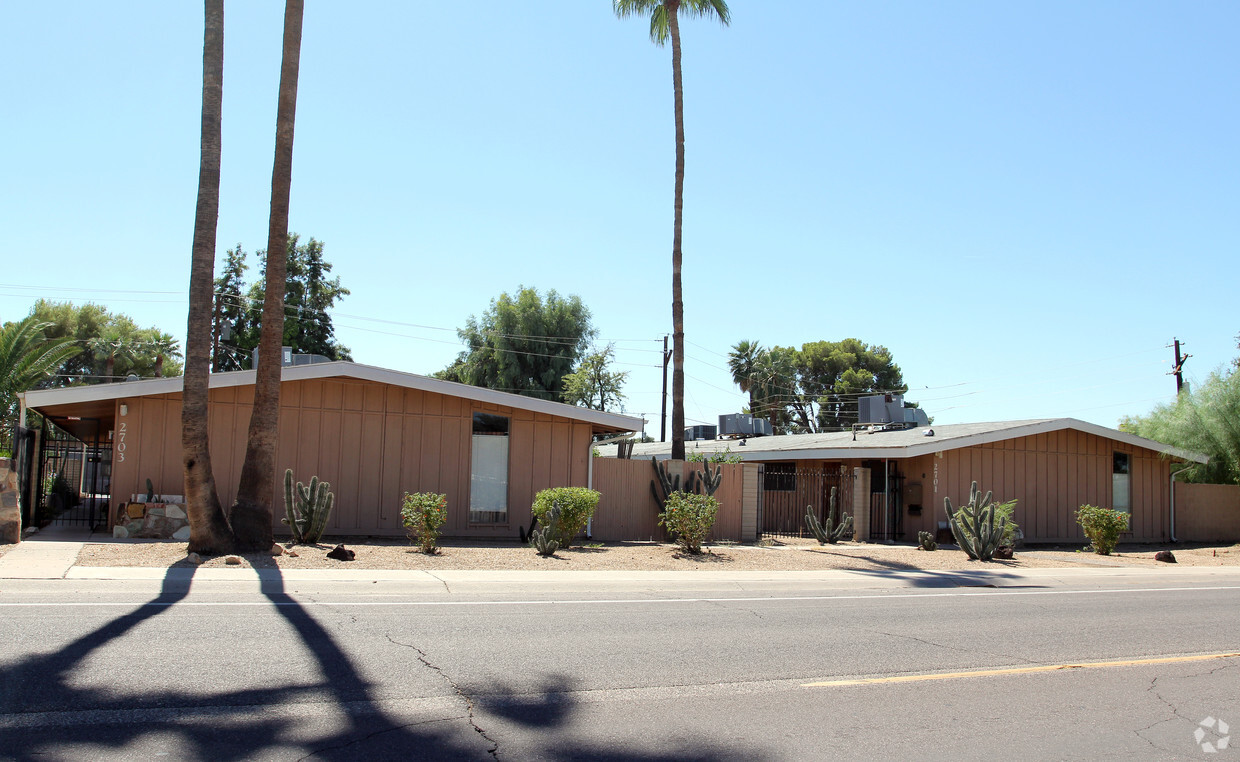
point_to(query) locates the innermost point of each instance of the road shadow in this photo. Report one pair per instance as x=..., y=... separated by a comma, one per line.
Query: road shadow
x=49, y=710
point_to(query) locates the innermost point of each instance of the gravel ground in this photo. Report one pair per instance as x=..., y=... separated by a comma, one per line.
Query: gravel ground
x=784, y=554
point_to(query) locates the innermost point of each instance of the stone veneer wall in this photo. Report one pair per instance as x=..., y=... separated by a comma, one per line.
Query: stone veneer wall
x=10, y=512
x=152, y=520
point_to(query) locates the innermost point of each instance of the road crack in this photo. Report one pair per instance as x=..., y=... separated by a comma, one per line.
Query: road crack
x=441, y=581
x=469, y=702
x=375, y=734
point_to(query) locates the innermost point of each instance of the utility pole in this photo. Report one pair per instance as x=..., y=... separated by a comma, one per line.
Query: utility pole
x=667, y=357
x=1178, y=369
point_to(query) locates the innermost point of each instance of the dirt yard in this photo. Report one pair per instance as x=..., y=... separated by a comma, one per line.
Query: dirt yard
x=786, y=554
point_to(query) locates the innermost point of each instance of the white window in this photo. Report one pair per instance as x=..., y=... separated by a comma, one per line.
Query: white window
x=488, y=478
x=1121, y=482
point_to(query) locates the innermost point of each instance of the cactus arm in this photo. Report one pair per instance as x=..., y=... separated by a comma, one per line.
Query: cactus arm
x=290, y=509
x=324, y=500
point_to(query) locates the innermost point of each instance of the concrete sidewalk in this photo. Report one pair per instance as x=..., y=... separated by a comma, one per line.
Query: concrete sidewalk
x=48, y=554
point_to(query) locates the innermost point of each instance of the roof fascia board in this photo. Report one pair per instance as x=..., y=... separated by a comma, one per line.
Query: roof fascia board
x=149, y=387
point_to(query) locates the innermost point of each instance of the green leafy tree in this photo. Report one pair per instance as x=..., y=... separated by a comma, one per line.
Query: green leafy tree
x=309, y=295
x=1205, y=419
x=230, y=317
x=113, y=345
x=27, y=359
x=814, y=388
x=524, y=344
x=665, y=25
x=594, y=384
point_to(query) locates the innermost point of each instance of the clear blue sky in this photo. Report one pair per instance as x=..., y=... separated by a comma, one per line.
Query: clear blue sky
x=1024, y=201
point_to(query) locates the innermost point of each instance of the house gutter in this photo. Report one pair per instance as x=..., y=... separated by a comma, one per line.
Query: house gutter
x=1173, y=475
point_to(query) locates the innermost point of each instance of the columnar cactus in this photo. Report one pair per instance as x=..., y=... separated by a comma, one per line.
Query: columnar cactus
x=543, y=540
x=830, y=532
x=306, y=508
x=973, y=525
x=667, y=482
x=711, y=479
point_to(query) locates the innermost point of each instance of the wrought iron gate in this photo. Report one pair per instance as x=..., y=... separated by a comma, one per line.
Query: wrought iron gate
x=786, y=492
x=73, y=482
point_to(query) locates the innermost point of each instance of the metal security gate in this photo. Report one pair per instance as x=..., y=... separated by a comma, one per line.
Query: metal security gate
x=786, y=492
x=886, y=506
x=74, y=477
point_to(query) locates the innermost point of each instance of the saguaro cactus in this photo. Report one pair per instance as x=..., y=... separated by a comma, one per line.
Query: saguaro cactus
x=306, y=508
x=830, y=532
x=973, y=525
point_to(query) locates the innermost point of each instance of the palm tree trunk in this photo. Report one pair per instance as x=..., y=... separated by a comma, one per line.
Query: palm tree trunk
x=209, y=531
x=251, y=515
x=678, y=307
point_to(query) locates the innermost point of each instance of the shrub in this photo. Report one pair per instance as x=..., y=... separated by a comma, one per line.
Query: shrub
x=1102, y=526
x=423, y=513
x=690, y=517
x=577, y=505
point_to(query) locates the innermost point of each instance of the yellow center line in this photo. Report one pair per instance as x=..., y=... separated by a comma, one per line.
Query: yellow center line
x=1018, y=670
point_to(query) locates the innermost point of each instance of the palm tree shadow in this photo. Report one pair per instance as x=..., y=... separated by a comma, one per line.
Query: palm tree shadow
x=51, y=712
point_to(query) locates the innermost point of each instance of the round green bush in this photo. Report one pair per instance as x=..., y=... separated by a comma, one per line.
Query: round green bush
x=577, y=505
x=1102, y=526
x=423, y=513
x=690, y=517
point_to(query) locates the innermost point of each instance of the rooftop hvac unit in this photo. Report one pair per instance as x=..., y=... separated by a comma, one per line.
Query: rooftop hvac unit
x=889, y=408
x=703, y=431
x=743, y=425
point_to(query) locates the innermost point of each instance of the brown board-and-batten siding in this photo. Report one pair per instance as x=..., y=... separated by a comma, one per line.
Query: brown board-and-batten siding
x=627, y=509
x=373, y=442
x=1050, y=475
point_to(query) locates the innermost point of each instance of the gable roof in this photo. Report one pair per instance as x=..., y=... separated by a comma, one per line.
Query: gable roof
x=904, y=443
x=608, y=422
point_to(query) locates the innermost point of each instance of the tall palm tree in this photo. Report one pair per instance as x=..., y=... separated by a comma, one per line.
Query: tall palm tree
x=163, y=345
x=208, y=527
x=665, y=24
x=115, y=345
x=251, y=515
x=26, y=358
x=741, y=361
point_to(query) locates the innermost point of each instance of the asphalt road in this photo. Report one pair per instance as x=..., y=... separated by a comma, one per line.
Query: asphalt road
x=649, y=668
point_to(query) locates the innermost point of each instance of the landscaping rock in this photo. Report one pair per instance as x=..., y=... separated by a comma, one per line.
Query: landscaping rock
x=1004, y=552
x=293, y=553
x=181, y=534
x=174, y=511
x=277, y=549
x=1166, y=556
x=120, y=532
x=194, y=558
x=341, y=553
x=233, y=561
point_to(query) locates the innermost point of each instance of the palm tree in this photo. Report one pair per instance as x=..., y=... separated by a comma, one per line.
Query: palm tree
x=116, y=345
x=26, y=358
x=741, y=361
x=209, y=530
x=251, y=514
x=665, y=24
x=164, y=346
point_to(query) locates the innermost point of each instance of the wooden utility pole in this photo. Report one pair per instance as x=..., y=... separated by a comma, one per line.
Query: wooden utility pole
x=1178, y=370
x=667, y=357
